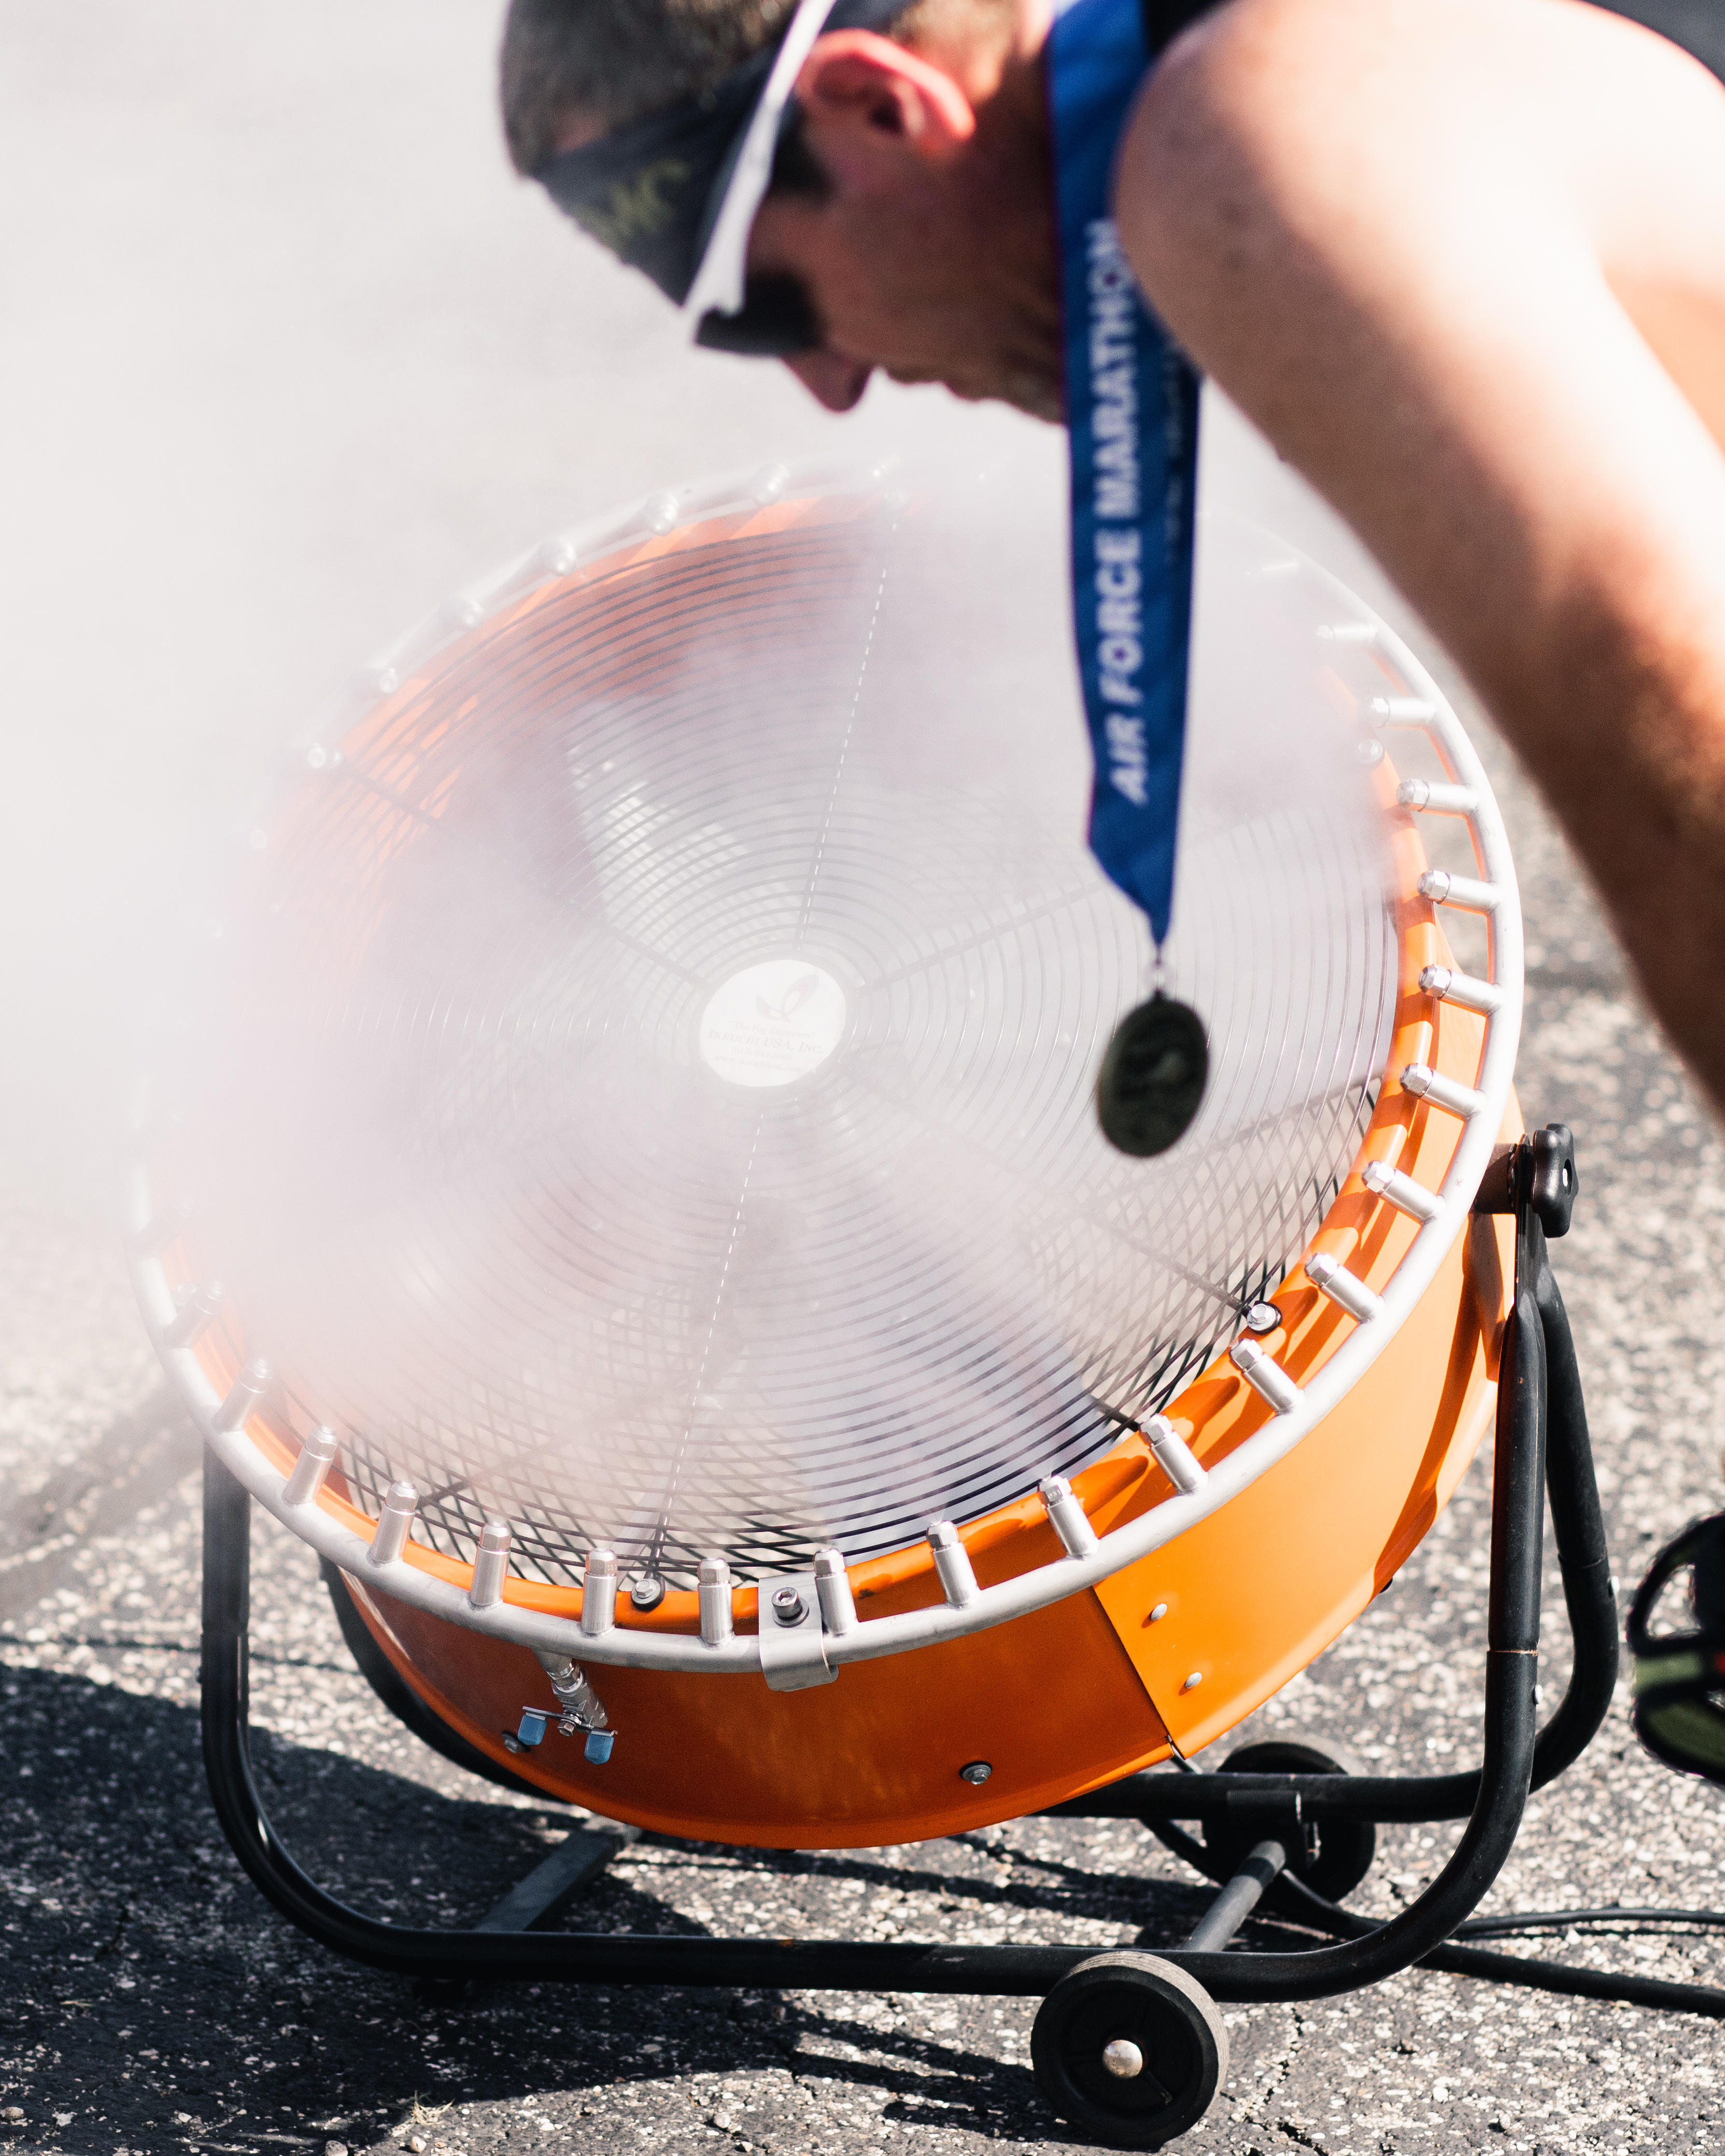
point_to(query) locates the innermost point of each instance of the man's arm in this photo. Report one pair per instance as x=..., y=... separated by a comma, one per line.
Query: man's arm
x=1463, y=261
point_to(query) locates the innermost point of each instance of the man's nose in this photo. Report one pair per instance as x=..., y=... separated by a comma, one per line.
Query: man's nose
x=837, y=383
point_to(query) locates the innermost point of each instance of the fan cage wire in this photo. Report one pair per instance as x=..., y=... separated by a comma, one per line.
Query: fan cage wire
x=442, y=1584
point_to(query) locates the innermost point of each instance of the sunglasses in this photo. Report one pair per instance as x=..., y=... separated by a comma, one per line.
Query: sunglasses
x=776, y=321
x=676, y=194
x=765, y=316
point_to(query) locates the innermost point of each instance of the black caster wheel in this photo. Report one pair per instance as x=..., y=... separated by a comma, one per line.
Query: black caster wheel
x=1130, y=2049
x=1337, y=1854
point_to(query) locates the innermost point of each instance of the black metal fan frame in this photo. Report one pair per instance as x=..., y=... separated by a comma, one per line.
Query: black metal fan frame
x=1267, y=1819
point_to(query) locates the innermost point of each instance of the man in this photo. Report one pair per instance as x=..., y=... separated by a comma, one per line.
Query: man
x=1462, y=261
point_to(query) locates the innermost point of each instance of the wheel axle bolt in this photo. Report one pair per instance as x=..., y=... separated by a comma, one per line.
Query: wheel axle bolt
x=1122, y=2058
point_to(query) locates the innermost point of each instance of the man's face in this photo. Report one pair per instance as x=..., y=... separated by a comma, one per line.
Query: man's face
x=929, y=251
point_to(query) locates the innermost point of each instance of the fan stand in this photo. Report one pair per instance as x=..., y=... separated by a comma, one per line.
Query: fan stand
x=1127, y=2044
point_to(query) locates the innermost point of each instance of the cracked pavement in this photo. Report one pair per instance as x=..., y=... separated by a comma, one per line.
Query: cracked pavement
x=290, y=349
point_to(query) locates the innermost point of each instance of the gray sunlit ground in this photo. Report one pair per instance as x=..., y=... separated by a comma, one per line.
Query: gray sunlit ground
x=285, y=357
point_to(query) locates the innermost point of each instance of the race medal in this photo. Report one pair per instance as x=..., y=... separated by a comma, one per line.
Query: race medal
x=1132, y=422
x=1151, y=1077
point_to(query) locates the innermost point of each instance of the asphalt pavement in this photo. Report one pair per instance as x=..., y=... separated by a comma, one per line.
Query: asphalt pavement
x=288, y=355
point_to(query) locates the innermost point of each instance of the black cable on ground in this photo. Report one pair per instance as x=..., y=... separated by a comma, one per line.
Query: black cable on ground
x=1299, y=1905
x=1543, y=1920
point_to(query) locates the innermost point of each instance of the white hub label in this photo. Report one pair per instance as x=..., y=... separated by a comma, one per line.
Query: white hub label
x=772, y=1024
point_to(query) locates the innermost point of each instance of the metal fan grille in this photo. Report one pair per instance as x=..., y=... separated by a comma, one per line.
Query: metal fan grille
x=648, y=1096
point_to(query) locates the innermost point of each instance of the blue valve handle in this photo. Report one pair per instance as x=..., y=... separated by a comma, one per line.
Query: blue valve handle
x=533, y=1724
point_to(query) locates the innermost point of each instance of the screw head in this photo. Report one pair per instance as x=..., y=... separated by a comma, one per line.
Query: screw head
x=1158, y=1613
x=788, y=1606
x=1194, y=1682
x=1261, y=1317
x=511, y=1742
x=976, y=1773
x=1370, y=753
x=647, y=1592
x=1123, y=2059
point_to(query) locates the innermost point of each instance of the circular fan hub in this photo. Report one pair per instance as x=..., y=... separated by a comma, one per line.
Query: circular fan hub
x=772, y=1024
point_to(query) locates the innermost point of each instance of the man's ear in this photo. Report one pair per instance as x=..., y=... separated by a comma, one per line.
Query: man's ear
x=854, y=78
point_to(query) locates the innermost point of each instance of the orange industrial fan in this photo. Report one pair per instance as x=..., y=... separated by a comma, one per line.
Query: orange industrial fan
x=629, y=1196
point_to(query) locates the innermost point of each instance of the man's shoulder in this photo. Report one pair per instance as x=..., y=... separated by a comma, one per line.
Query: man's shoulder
x=1698, y=27
x=1311, y=87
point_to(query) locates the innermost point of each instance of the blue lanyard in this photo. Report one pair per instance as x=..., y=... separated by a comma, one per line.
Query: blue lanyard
x=1131, y=418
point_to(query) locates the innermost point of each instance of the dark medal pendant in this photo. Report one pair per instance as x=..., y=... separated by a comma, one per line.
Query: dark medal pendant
x=1153, y=1077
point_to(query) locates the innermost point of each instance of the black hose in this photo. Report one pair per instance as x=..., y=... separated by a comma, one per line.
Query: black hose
x=1291, y=1901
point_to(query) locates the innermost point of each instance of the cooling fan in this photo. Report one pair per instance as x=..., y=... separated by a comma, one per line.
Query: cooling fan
x=641, y=1100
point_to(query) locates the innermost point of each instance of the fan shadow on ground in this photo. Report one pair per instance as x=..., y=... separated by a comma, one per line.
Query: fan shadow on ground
x=153, y=1995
